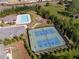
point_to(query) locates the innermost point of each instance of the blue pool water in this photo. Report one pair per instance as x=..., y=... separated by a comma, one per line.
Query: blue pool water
x=24, y=19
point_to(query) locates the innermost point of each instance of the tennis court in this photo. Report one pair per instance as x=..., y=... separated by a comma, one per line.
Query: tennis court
x=45, y=38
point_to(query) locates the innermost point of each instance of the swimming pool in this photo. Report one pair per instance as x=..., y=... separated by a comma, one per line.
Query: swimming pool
x=23, y=19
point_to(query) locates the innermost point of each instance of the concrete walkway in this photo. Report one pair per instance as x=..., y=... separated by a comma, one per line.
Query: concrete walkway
x=35, y=25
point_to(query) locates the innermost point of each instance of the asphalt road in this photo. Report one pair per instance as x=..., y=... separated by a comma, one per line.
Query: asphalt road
x=4, y=7
x=10, y=5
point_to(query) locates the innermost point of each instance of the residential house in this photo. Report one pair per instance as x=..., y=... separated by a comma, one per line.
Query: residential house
x=2, y=52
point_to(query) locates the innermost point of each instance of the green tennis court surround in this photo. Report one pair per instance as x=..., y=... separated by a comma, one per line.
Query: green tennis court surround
x=45, y=38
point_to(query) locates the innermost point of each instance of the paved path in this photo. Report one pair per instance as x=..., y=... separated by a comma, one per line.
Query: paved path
x=35, y=25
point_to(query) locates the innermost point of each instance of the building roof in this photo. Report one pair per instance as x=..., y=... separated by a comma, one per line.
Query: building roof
x=45, y=38
x=67, y=0
x=10, y=31
x=3, y=1
x=2, y=53
x=23, y=19
x=10, y=18
x=19, y=51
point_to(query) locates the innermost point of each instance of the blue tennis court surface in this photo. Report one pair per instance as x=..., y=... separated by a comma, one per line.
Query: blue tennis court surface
x=45, y=38
x=47, y=43
x=44, y=32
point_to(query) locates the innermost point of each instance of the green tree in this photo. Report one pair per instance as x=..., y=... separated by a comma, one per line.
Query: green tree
x=66, y=1
x=22, y=37
x=47, y=4
x=61, y=2
x=7, y=41
x=75, y=4
x=73, y=7
x=37, y=7
x=16, y=37
x=1, y=41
